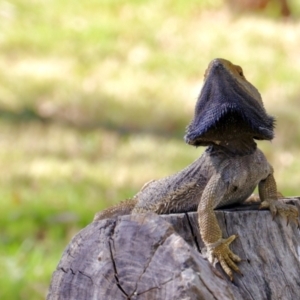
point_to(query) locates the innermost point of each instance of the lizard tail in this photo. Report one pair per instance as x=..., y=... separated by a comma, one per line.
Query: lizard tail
x=121, y=209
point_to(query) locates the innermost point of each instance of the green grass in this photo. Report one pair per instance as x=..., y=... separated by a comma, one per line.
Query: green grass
x=94, y=100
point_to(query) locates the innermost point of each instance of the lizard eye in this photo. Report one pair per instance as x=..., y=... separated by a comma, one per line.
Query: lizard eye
x=205, y=73
x=240, y=71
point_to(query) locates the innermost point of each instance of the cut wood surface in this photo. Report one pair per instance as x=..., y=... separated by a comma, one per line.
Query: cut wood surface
x=148, y=256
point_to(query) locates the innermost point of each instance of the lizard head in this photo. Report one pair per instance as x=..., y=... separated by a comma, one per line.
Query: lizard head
x=228, y=109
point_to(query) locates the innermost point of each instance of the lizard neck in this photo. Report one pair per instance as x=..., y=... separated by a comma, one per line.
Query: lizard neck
x=238, y=147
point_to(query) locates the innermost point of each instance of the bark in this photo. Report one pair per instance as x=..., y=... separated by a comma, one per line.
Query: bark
x=148, y=256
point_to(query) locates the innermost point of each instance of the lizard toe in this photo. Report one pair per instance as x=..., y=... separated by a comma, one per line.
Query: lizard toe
x=227, y=259
x=226, y=269
x=228, y=263
x=234, y=257
x=287, y=211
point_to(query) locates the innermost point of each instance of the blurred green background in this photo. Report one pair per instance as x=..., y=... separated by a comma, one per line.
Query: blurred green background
x=94, y=100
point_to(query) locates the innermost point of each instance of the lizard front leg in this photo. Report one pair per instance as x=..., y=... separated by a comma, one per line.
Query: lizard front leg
x=269, y=197
x=217, y=247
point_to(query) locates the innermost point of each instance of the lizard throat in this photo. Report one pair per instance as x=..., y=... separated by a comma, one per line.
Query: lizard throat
x=238, y=147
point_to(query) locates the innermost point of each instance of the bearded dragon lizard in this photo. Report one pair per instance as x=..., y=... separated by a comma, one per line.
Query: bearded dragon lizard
x=229, y=115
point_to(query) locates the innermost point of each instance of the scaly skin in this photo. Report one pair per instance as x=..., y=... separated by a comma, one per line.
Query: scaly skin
x=227, y=172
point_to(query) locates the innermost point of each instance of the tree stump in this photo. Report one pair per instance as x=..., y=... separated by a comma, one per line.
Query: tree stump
x=148, y=256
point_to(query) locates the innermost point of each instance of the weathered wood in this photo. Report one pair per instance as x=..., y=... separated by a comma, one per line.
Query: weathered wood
x=157, y=257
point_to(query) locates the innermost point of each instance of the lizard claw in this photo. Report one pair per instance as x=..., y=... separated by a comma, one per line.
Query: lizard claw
x=288, y=211
x=220, y=251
